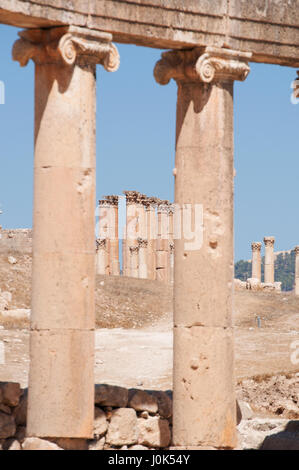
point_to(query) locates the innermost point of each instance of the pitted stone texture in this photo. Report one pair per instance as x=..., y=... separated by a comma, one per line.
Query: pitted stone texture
x=61, y=384
x=111, y=395
x=142, y=401
x=203, y=382
x=123, y=427
x=154, y=432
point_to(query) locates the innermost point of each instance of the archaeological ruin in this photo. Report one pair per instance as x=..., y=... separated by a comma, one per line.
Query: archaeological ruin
x=147, y=238
x=210, y=45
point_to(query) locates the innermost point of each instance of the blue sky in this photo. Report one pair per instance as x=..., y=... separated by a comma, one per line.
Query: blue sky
x=135, y=142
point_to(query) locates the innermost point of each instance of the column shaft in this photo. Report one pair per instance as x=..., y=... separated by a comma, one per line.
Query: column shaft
x=204, y=405
x=61, y=378
x=256, y=263
x=269, y=260
x=152, y=240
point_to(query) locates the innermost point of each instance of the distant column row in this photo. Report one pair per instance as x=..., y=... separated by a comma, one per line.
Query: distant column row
x=269, y=260
x=147, y=238
x=269, y=269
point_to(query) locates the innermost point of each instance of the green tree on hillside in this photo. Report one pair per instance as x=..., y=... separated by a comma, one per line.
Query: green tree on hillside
x=284, y=270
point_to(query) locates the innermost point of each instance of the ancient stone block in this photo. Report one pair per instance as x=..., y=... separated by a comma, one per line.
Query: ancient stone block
x=111, y=395
x=123, y=427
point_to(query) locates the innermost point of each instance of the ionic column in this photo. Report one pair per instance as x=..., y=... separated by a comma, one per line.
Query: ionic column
x=162, y=245
x=61, y=381
x=296, y=270
x=113, y=235
x=256, y=263
x=269, y=260
x=142, y=258
x=101, y=264
x=204, y=406
x=134, y=261
x=151, y=223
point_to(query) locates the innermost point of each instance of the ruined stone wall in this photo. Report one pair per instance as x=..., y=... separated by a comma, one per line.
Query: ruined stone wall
x=16, y=241
x=123, y=419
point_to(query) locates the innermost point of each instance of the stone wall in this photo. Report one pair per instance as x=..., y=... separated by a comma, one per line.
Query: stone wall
x=16, y=241
x=124, y=419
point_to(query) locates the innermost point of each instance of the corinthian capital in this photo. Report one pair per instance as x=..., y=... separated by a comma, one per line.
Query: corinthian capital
x=269, y=241
x=66, y=45
x=209, y=64
x=256, y=246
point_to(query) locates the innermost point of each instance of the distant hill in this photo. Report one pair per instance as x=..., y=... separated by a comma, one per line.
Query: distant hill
x=284, y=270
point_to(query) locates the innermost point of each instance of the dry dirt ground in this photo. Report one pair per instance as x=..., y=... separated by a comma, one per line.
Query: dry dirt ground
x=134, y=338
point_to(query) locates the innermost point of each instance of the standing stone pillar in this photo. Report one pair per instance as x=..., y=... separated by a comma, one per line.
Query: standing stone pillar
x=256, y=264
x=151, y=223
x=131, y=228
x=134, y=261
x=104, y=234
x=114, y=268
x=269, y=260
x=204, y=404
x=101, y=264
x=162, y=247
x=170, y=261
x=142, y=258
x=296, y=270
x=61, y=380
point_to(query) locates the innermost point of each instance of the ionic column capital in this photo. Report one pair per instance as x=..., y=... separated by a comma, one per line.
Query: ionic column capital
x=66, y=45
x=256, y=246
x=209, y=64
x=269, y=241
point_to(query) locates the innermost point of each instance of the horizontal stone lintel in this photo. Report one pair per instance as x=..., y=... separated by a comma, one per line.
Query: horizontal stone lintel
x=269, y=30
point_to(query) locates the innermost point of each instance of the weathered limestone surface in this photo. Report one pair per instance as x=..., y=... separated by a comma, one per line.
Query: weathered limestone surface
x=204, y=174
x=267, y=28
x=61, y=398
